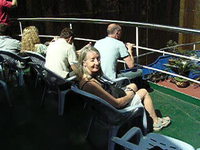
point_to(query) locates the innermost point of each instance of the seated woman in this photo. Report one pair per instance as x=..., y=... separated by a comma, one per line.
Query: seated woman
x=89, y=76
x=31, y=42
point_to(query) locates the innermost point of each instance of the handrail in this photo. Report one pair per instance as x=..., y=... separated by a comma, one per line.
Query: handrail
x=104, y=21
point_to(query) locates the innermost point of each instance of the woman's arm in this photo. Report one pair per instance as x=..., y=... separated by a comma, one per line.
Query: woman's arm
x=96, y=89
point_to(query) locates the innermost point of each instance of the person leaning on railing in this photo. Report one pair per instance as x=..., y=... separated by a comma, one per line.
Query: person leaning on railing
x=111, y=49
x=89, y=76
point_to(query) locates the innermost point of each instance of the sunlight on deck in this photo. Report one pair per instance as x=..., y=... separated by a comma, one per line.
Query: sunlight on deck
x=185, y=118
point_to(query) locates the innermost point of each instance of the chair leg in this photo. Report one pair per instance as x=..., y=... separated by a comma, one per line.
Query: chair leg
x=113, y=132
x=1, y=72
x=21, y=77
x=61, y=101
x=36, y=80
x=5, y=88
x=89, y=126
x=144, y=119
x=43, y=96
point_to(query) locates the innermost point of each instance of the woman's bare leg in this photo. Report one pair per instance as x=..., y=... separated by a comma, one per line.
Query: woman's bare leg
x=148, y=104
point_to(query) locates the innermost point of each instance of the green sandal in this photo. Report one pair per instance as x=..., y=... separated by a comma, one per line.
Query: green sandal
x=162, y=122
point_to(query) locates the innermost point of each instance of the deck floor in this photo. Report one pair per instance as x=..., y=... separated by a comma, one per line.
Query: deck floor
x=27, y=126
x=185, y=118
x=192, y=89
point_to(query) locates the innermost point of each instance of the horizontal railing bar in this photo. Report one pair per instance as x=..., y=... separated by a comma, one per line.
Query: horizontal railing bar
x=179, y=45
x=53, y=36
x=145, y=54
x=163, y=52
x=83, y=39
x=103, y=21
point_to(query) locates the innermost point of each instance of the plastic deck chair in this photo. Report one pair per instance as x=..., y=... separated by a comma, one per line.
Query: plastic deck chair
x=1, y=68
x=3, y=84
x=152, y=141
x=53, y=83
x=109, y=114
x=35, y=58
x=16, y=64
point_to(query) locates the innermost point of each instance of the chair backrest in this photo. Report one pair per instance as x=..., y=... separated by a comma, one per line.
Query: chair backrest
x=105, y=109
x=14, y=60
x=35, y=57
x=51, y=78
x=1, y=66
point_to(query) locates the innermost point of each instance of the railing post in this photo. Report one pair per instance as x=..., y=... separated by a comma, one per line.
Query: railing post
x=194, y=46
x=70, y=25
x=137, y=44
x=20, y=27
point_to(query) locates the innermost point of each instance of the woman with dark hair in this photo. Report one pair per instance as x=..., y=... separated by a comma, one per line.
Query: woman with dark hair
x=89, y=75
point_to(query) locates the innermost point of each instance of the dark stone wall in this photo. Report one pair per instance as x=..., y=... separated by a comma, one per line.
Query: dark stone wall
x=152, y=11
x=164, y=12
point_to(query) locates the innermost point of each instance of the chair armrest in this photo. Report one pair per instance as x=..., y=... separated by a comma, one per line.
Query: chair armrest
x=124, y=140
x=125, y=144
x=71, y=78
x=121, y=81
x=75, y=89
x=134, y=131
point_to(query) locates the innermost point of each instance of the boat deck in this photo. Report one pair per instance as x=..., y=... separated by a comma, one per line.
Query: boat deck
x=27, y=126
x=192, y=90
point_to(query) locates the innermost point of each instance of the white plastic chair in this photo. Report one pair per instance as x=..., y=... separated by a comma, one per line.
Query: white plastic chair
x=53, y=83
x=16, y=64
x=153, y=141
x=114, y=117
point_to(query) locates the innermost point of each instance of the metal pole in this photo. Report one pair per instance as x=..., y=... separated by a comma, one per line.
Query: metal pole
x=70, y=25
x=194, y=47
x=137, y=44
x=20, y=27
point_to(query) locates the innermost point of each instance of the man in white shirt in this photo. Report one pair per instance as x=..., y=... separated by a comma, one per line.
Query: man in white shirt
x=61, y=55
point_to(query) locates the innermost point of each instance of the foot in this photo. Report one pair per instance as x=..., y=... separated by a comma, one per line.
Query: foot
x=161, y=123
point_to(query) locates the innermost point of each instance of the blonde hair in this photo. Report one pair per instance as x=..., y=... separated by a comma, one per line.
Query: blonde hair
x=30, y=37
x=83, y=57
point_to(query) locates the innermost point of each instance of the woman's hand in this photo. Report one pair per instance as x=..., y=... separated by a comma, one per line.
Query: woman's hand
x=132, y=86
x=129, y=92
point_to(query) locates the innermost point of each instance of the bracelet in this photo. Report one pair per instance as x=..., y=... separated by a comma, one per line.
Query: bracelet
x=129, y=89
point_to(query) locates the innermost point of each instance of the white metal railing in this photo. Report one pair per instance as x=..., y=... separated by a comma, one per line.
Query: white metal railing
x=137, y=25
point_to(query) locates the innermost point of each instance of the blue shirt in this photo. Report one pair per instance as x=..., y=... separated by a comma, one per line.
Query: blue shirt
x=110, y=50
x=8, y=43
